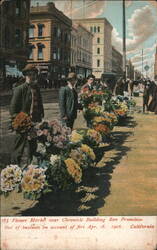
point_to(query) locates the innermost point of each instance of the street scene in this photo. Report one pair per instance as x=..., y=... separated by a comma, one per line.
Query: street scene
x=78, y=98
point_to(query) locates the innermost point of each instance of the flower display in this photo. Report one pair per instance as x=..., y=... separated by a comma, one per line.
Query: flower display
x=95, y=96
x=33, y=179
x=103, y=129
x=22, y=123
x=10, y=177
x=53, y=135
x=74, y=170
x=94, y=135
x=86, y=149
x=76, y=137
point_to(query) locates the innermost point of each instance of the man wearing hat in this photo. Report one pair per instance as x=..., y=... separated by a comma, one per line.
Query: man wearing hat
x=90, y=83
x=26, y=98
x=68, y=101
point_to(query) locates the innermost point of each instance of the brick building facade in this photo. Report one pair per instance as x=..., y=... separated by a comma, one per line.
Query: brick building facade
x=14, y=23
x=49, y=40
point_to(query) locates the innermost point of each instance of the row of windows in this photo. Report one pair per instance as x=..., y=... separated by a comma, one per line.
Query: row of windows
x=40, y=30
x=58, y=53
x=40, y=53
x=95, y=29
x=57, y=33
x=81, y=56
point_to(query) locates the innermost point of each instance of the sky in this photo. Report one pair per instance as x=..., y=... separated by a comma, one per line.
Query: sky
x=141, y=24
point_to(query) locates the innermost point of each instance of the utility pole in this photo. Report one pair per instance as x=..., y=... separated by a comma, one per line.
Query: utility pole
x=124, y=41
x=142, y=62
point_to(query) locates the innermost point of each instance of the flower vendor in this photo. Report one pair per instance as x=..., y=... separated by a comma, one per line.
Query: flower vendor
x=68, y=101
x=26, y=107
x=89, y=85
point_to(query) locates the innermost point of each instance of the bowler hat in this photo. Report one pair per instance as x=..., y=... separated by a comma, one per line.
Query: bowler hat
x=72, y=75
x=90, y=76
x=28, y=68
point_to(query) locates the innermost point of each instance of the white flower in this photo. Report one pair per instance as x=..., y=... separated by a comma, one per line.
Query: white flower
x=10, y=177
x=41, y=148
x=54, y=159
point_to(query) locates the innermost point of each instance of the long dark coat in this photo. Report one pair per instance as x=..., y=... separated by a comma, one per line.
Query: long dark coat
x=21, y=102
x=68, y=104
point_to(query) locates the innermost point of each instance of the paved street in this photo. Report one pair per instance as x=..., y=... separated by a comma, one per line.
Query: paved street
x=124, y=183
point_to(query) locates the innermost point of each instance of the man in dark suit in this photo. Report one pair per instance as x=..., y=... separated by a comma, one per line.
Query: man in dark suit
x=26, y=98
x=68, y=101
x=90, y=84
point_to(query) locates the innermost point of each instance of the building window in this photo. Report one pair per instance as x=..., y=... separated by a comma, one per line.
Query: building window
x=58, y=32
x=17, y=38
x=98, y=63
x=31, y=31
x=98, y=50
x=94, y=29
x=54, y=53
x=98, y=28
x=58, y=53
x=18, y=7
x=91, y=29
x=40, y=30
x=98, y=40
x=40, y=51
x=55, y=32
x=30, y=49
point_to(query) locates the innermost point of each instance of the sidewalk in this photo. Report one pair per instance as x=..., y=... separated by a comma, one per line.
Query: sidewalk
x=133, y=185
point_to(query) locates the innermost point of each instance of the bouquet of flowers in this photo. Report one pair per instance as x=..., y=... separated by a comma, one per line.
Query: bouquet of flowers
x=121, y=109
x=33, y=181
x=22, y=123
x=102, y=129
x=11, y=177
x=94, y=96
x=86, y=136
x=53, y=136
x=83, y=156
x=91, y=111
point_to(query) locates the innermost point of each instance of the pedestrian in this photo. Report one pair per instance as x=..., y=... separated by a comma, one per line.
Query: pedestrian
x=68, y=101
x=26, y=98
x=153, y=104
x=90, y=84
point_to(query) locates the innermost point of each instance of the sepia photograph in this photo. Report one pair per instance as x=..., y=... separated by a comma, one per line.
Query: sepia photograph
x=78, y=102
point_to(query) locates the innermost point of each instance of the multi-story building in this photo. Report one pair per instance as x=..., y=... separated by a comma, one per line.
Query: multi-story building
x=102, y=47
x=81, y=50
x=14, y=23
x=49, y=40
x=155, y=65
x=117, y=62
